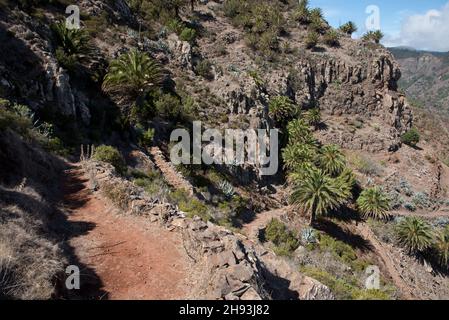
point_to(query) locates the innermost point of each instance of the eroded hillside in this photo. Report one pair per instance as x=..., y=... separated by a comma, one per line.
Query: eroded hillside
x=136, y=70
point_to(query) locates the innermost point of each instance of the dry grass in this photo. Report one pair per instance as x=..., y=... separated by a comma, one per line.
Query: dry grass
x=30, y=257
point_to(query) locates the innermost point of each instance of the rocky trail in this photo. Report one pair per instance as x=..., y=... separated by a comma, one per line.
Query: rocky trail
x=385, y=255
x=251, y=229
x=169, y=172
x=131, y=258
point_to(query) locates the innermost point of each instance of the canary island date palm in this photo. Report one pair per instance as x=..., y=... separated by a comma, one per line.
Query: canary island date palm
x=72, y=41
x=317, y=193
x=297, y=153
x=313, y=117
x=441, y=247
x=281, y=108
x=374, y=203
x=332, y=160
x=414, y=234
x=132, y=75
x=349, y=28
x=299, y=132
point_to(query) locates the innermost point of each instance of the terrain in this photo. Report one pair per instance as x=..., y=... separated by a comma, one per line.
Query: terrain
x=86, y=177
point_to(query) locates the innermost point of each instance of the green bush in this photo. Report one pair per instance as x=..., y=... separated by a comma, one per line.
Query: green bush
x=338, y=248
x=112, y=156
x=191, y=206
x=204, y=69
x=312, y=40
x=147, y=137
x=331, y=38
x=411, y=137
x=281, y=237
x=188, y=35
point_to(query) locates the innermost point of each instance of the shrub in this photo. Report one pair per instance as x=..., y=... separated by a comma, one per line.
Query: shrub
x=147, y=137
x=339, y=249
x=365, y=165
x=191, y=206
x=281, y=237
x=170, y=106
x=118, y=193
x=204, y=69
x=422, y=200
x=312, y=40
x=411, y=137
x=188, y=34
x=331, y=38
x=112, y=156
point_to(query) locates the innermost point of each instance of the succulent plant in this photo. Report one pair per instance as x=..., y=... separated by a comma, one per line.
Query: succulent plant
x=227, y=188
x=308, y=235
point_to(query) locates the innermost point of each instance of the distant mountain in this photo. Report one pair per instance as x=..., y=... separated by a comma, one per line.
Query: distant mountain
x=425, y=77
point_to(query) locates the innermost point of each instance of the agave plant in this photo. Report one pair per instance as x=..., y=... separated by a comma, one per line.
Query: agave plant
x=374, y=203
x=227, y=188
x=308, y=235
x=414, y=234
x=132, y=75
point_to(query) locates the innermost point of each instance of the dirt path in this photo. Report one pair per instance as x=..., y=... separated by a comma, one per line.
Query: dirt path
x=131, y=258
x=172, y=177
x=384, y=254
x=251, y=230
x=429, y=215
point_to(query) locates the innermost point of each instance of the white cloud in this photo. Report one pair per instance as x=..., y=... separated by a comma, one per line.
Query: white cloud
x=429, y=31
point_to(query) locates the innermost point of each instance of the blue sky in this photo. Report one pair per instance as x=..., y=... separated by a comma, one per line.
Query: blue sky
x=423, y=24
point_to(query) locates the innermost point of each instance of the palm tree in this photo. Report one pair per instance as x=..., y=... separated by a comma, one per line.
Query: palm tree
x=346, y=182
x=415, y=234
x=314, y=117
x=132, y=75
x=332, y=160
x=441, y=247
x=72, y=41
x=296, y=154
x=375, y=36
x=302, y=13
x=374, y=203
x=281, y=108
x=348, y=28
x=317, y=193
x=299, y=132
